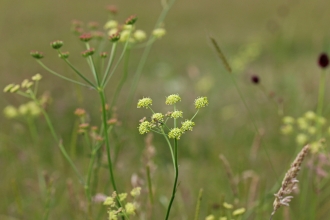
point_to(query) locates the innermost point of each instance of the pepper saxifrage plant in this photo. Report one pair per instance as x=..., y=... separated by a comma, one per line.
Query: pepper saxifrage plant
x=102, y=66
x=158, y=124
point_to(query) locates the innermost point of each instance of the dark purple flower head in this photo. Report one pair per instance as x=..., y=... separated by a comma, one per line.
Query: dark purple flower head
x=323, y=60
x=255, y=79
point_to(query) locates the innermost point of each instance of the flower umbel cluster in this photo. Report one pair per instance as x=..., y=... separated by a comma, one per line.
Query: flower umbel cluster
x=306, y=129
x=158, y=120
x=230, y=214
x=126, y=209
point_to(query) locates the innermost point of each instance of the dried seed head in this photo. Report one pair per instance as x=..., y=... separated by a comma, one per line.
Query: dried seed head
x=289, y=182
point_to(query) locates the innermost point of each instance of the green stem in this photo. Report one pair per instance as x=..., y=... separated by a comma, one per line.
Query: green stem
x=228, y=68
x=111, y=59
x=106, y=136
x=149, y=185
x=175, y=179
x=146, y=52
x=122, y=81
x=198, y=205
x=108, y=76
x=170, y=146
x=320, y=103
x=52, y=131
x=32, y=129
x=59, y=75
x=79, y=73
x=194, y=115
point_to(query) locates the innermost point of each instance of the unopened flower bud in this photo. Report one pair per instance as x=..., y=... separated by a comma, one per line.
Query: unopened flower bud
x=98, y=35
x=56, y=44
x=36, y=54
x=87, y=53
x=86, y=37
x=323, y=60
x=114, y=37
x=93, y=25
x=140, y=35
x=64, y=55
x=8, y=87
x=110, y=24
x=159, y=32
x=112, y=9
x=103, y=54
x=131, y=20
x=36, y=77
x=77, y=23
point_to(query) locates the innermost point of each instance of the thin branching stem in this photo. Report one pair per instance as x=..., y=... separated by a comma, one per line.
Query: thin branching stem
x=59, y=75
x=176, y=168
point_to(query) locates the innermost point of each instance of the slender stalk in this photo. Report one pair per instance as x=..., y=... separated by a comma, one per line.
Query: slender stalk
x=169, y=145
x=198, y=205
x=175, y=179
x=111, y=59
x=32, y=129
x=320, y=102
x=122, y=80
x=108, y=76
x=79, y=73
x=106, y=136
x=59, y=75
x=146, y=52
x=228, y=68
x=47, y=205
x=62, y=148
x=151, y=197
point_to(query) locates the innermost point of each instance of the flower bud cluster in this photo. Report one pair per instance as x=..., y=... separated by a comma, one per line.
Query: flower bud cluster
x=229, y=213
x=306, y=129
x=127, y=209
x=158, y=120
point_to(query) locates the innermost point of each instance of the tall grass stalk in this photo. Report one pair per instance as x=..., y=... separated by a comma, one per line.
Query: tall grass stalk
x=166, y=7
x=227, y=67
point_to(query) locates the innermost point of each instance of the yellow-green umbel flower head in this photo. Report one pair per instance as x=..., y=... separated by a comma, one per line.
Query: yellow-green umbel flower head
x=136, y=191
x=201, y=102
x=238, y=211
x=145, y=127
x=172, y=99
x=175, y=133
x=176, y=114
x=159, y=32
x=144, y=103
x=210, y=217
x=122, y=196
x=36, y=77
x=130, y=208
x=187, y=125
x=157, y=118
x=288, y=120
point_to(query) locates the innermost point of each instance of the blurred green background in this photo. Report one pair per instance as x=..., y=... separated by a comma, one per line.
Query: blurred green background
x=278, y=40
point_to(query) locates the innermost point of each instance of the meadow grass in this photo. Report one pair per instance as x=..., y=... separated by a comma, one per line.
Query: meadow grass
x=71, y=148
